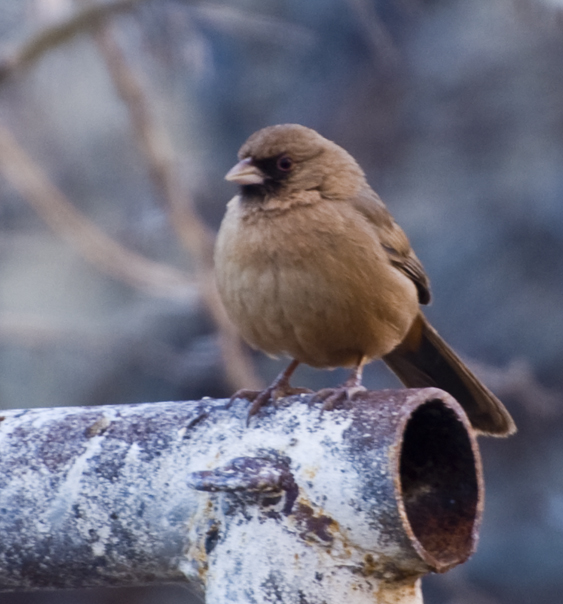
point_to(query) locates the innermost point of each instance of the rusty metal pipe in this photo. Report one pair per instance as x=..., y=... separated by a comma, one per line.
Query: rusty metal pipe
x=350, y=505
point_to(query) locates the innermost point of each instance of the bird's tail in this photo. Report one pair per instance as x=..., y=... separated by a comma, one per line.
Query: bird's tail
x=423, y=360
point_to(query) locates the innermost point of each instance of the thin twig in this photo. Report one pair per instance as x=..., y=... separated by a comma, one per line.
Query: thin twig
x=92, y=243
x=264, y=28
x=61, y=32
x=37, y=331
x=384, y=51
x=192, y=232
x=221, y=17
x=518, y=381
x=156, y=148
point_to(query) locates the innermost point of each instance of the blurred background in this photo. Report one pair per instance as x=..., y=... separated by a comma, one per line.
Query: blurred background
x=118, y=121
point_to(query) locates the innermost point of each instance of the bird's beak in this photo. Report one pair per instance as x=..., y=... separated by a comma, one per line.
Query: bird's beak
x=246, y=173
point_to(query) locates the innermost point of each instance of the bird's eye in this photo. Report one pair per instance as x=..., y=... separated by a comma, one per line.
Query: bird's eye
x=285, y=163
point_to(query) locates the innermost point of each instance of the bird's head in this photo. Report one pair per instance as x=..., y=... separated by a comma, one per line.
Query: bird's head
x=288, y=158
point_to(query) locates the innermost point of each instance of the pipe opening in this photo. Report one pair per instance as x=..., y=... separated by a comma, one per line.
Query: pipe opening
x=440, y=485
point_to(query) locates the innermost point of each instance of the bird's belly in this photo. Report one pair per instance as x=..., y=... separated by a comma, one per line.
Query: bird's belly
x=319, y=317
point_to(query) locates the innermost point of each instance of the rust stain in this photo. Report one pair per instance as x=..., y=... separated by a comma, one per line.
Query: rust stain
x=310, y=472
x=393, y=593
x=312, y=526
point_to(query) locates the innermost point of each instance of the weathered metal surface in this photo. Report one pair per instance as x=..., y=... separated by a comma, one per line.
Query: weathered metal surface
x=353, y=504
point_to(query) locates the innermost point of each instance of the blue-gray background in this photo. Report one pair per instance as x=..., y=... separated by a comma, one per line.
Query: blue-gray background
x=455, y=111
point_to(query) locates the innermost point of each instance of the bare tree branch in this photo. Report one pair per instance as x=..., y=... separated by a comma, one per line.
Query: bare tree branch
x=384, y=51
x=92, y=243
x=222, y=17
x=518, y=381
x=62, y=32
x=266, y=28
x=192, y=232
x=156, y=148
x=36, y=331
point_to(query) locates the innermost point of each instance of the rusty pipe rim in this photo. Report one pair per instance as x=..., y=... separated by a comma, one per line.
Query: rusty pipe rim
x=438, y=479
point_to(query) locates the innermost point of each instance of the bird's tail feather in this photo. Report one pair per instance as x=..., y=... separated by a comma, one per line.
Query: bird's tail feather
x=423, y=359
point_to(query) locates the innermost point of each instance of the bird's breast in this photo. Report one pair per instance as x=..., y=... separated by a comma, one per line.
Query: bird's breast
x=312, y=283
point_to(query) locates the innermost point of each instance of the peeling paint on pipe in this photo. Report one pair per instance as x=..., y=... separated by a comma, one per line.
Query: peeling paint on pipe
x=352, y=505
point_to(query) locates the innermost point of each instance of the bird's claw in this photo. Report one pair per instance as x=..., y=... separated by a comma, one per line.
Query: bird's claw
x=333, y=397
x=261, y=398
x=244, y=393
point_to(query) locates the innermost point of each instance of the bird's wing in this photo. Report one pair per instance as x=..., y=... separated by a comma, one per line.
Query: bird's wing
x=393, y=240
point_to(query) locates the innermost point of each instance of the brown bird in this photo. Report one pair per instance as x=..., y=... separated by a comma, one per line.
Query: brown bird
x=310, y=264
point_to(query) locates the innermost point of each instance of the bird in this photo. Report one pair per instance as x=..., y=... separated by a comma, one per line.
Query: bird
x=311, y=265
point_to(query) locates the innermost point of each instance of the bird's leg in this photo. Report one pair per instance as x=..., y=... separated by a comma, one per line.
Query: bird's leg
x=346, y=392
x=278, y=388
x=354, y=382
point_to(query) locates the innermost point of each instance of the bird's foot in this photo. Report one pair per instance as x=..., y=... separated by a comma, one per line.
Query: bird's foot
x=279, y=388
x=332, y=397
x=270, y=395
